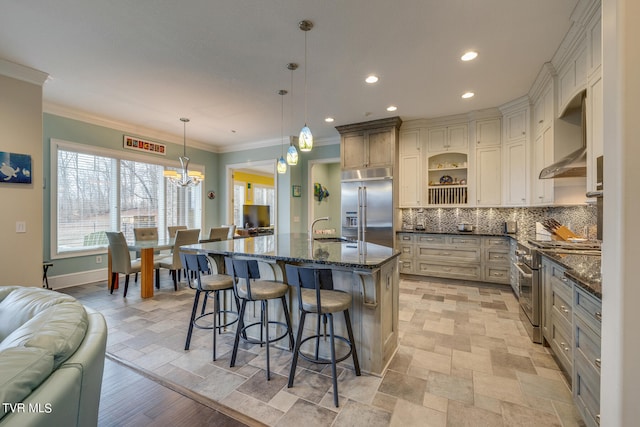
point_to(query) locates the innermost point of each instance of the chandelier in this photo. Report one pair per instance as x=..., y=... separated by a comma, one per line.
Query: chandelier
x=185, y=178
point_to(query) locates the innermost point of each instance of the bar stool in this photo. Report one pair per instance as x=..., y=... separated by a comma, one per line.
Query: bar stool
x=209, y=284
x=317, y=296
x=248, y=288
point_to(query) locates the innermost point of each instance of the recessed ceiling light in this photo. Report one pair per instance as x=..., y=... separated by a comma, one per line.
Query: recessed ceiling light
x=371, y=79
x=392, y=108
x=468, y=56
x=468, y=95
x=329, y=119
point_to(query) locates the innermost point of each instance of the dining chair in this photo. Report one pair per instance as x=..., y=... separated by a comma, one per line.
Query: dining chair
x=173, y=261
x=173, y=228
x=218, y=233
x=248, y=287
x=199, y=274
x=121, y=259
x=317, y=296
x=232, y=230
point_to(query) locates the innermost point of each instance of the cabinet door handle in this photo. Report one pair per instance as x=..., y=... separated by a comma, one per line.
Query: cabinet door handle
x=598, y=315
x=598, y=419
x=541, y=121
x=598, y=362
x=497, y=274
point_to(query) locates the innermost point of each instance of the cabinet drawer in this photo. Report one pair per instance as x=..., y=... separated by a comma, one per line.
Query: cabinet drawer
x=561, y=302
x=431, y=239
x=406, y=266
x=406, y=250
x=497, y=257
x=447, y=254
x=404, y=238
x=561, y=342
x=557, y=275
x=495, y=274
x=465, y=241
x=586, y=391
x=470, y=272
x=587, y=343
x=589, y=308
x=497, y=242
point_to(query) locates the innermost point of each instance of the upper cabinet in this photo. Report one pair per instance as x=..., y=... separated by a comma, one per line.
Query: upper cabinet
x=594, y=100
x=369, y=144
x=572, y=77
x=448, y=138
x=488, y=133
x=410, y=185
x=515, y=152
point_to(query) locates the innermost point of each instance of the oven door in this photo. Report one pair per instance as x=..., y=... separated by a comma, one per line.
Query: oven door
x=529, y=292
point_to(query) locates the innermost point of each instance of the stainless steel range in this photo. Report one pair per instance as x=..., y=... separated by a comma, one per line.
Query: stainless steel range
x=528, y=263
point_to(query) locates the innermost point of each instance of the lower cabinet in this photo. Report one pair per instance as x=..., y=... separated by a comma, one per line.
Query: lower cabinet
x=455, y=256
x=571, y=319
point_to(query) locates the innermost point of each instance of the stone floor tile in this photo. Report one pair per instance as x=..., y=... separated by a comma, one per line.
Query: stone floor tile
x=545, y=387
x=451, y=387
x=471, y=360
x=313, y=415
x=460, y=414
x=311, y=386
x=384, y=401
x=431, y=361
x=409, y=414
x=357, y=414
x=403, y=386
x=258, y=387
x=499, y=388
x=521, y=416
x=436, y=402
x=255, y=409
x=361, y=388
x=283, y=400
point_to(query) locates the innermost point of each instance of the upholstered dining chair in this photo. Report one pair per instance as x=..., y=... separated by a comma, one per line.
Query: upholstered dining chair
x=232, y=230
x=218, y=233
x=173, y=228
x=121, y=259
x=173, y=261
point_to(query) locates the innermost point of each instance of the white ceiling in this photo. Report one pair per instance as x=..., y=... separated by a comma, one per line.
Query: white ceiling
x=147, y=63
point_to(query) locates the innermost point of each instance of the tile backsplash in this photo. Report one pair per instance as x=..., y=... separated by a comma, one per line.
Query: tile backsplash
x=580, y=219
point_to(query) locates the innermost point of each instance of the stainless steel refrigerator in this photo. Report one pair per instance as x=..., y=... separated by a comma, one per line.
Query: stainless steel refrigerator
x=367, y=205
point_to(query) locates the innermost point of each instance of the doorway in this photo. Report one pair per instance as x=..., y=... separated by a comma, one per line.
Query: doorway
x=324, y=194
x=251, y=183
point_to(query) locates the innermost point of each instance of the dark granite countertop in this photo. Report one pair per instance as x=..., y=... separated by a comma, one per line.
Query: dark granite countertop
x=461, y=233
x=582, y=268
x=299, y=248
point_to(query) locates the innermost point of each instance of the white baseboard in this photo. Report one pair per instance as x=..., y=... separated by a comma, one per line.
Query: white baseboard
x=75, y=279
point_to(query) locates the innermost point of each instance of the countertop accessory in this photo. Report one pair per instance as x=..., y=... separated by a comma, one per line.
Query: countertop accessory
x=465, y=227
x=446, y=179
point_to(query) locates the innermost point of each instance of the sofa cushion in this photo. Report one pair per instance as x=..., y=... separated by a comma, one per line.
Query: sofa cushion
x=19, y=304
x=46, y=320
x=23, y=369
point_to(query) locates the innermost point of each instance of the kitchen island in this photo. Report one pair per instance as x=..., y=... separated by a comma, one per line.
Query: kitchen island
x=369, y=272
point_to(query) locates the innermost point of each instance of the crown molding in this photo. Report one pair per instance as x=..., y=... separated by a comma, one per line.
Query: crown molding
x=20, y=72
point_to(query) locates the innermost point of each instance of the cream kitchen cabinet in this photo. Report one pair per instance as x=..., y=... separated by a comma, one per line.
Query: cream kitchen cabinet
x=572, y=77
x=543, y=189
x=488, y=176
x=410, y=183
x=455, y=256
x=370, y=144
x=446, y=138
x=595, y=132
x=488, y=133
x=515, y=152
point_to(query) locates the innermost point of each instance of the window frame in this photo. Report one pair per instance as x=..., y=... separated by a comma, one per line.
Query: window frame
x=118, y=155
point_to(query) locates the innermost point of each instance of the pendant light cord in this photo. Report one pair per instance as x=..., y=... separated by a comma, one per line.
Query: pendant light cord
x=305, y=78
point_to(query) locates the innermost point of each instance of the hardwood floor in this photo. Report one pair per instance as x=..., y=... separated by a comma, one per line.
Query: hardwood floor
x=130, y=399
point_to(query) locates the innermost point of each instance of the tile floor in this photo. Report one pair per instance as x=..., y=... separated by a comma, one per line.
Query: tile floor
x=464, y=359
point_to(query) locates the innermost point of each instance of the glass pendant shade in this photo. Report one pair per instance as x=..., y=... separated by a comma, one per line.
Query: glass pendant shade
x=292, y=155
x=282, y=165
x=305, y=139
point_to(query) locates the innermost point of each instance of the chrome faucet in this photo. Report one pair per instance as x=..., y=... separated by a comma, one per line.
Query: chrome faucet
x=324, y=218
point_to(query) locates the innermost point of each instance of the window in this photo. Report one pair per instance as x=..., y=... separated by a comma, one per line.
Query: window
x=102, y=190
x=238, y=201
x=265, y=196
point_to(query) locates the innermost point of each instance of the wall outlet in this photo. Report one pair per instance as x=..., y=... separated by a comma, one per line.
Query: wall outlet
x=21, y=227
x=99, y=259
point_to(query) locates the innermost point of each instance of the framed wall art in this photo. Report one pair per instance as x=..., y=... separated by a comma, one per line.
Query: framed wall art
x=133, y=143
x=296, y=190
x=15, y=168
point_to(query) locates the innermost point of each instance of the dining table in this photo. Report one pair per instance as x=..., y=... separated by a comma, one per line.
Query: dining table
x=146, y=248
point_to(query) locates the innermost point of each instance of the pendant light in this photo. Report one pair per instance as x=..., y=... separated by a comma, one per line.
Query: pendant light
x=305, y=140
x=186, y=178
x=282, y=165
x=292, y=153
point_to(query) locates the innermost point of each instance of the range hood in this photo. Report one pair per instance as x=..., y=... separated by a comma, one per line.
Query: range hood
x=574, y=164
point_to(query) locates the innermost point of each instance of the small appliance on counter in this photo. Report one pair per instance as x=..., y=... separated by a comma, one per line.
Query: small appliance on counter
x=510, y=227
